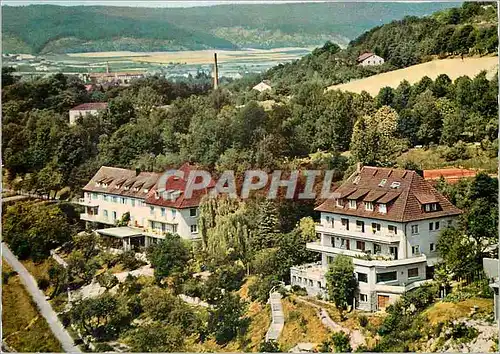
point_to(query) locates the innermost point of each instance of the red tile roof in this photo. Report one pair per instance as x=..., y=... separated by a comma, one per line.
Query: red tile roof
x=121, y=181
x=364, y=56
x=451, y=175
x=179, y=186
x=90, y=106
x=404, y=192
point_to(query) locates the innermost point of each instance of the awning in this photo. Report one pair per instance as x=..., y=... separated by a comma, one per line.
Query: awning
x=120, y=232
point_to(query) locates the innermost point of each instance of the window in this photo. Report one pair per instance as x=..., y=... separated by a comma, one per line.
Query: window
x=174, y=213
x=339, y=203
x=132, y=201
x=389, y=276
x=352, y=204
x=318, y=284
x=124, y=200
x=114, y=215
x=329, y=259
x=377, y=249
x=414, y=229
x=146, y=190
x=194, y=229
x=392, y=229
x=151, y=210
x=294, y=278
x=345, y=223
x=395, y=184
x=360, y=226
x=363, y=277
x=115, y=199
x=174, y=229
x=431, y=226
x=412, y=272
x=192, y=212
x=360, y=245
x=369, y=206
x=363, y=298
x=415, y=250
x=94, y=195
x=430, y=207
x=450, y=222
x=436, y=225
x=375, y=227
x=310, y=282
x=105, y=197
x=382, y=208
x=431, y=247
x=344, y=244
x=163, y=212
x=382, y=183
x=105, y=214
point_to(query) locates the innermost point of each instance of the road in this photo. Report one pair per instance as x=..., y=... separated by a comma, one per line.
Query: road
x=43, y=305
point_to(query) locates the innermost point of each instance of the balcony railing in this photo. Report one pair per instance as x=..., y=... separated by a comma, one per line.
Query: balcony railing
x=88, y=202
x=367, y=235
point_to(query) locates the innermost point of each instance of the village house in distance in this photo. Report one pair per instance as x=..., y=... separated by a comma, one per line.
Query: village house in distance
x=114, y=192
x=86, y=108
x=370, y=59
x=388, y=221
x=262, y=86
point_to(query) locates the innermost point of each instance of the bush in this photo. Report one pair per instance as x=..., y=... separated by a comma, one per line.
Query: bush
x=298, y=290
x=43, y=283
x=7, y=275
x=103, y=347
x=128, y=260
x=269, y=347
x=456, y=152
x=363, y=321
x=259, y=290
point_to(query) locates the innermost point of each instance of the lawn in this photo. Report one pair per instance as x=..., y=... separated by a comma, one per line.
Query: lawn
x=24, y=329
x=301, y=325
x=451, y=67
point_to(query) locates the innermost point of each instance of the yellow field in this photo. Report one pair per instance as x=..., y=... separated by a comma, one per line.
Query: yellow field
x=199, y=56
x=451, y=67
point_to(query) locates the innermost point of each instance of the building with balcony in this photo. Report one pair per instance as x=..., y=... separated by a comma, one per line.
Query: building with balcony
x=153, y=210
x=388, y=222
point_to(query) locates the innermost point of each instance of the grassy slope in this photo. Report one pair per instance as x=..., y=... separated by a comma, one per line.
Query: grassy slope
x=213, y=27
x=24, y=329
x=449, y=311
x=451, y=67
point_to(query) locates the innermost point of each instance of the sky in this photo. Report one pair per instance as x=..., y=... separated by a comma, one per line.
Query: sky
x=147, y=3
x=164, y=3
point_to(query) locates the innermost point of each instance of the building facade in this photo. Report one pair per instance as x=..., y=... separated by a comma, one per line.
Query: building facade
x=370, y=59
x=115, y=192
x=84, y=109
x=388, y=221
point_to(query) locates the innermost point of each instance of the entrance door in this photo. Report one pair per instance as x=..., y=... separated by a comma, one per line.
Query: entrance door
x=347, y=245
x=382, y=301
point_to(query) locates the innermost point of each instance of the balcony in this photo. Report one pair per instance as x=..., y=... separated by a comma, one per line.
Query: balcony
x=88, y=202
x=97, y=218
x=364, y=259
x=368, y=235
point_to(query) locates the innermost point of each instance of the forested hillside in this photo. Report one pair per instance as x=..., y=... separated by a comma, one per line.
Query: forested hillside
x=469, y=30
x=59, y=29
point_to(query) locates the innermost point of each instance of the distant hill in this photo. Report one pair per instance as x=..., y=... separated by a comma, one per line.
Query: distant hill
x=470, y=29
x=62, y=29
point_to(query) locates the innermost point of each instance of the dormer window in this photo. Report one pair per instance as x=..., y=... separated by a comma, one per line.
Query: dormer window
x=368, y=206
x=356, y=180
x=352, y=204
x=136, y=189
x=395, y=185
x=97, y=184
x=382, y=208
x=105, y=185
x=382, y=182
x=430, y=207
x=157, y=195
x=339, y=203
x=127, y=188
x=146, y=190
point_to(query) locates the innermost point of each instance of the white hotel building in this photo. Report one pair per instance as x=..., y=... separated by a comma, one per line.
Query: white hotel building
x=388, y=221
x=113, y=192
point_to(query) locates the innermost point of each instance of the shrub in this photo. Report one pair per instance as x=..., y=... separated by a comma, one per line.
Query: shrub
x=259, y=290
x=298, y=290
x=43, y=283
x=269, y=347
x=456, y=152
x=103, y=347
x=129, y=261
x=363, y=321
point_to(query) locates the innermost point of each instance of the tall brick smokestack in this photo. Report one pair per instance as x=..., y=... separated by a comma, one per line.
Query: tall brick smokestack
x=216, y=72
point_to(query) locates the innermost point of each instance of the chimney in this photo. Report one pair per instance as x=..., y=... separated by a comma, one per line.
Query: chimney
x=216, y=73
x=137, y=171
x=358, y=167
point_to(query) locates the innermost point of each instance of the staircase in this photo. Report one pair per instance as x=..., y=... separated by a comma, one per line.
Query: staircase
x=278, y=318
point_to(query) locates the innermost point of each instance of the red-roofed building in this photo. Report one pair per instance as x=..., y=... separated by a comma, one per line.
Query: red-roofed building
x=370, y=59
x=82, y=110
x=388, y=221
x=154, y=209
